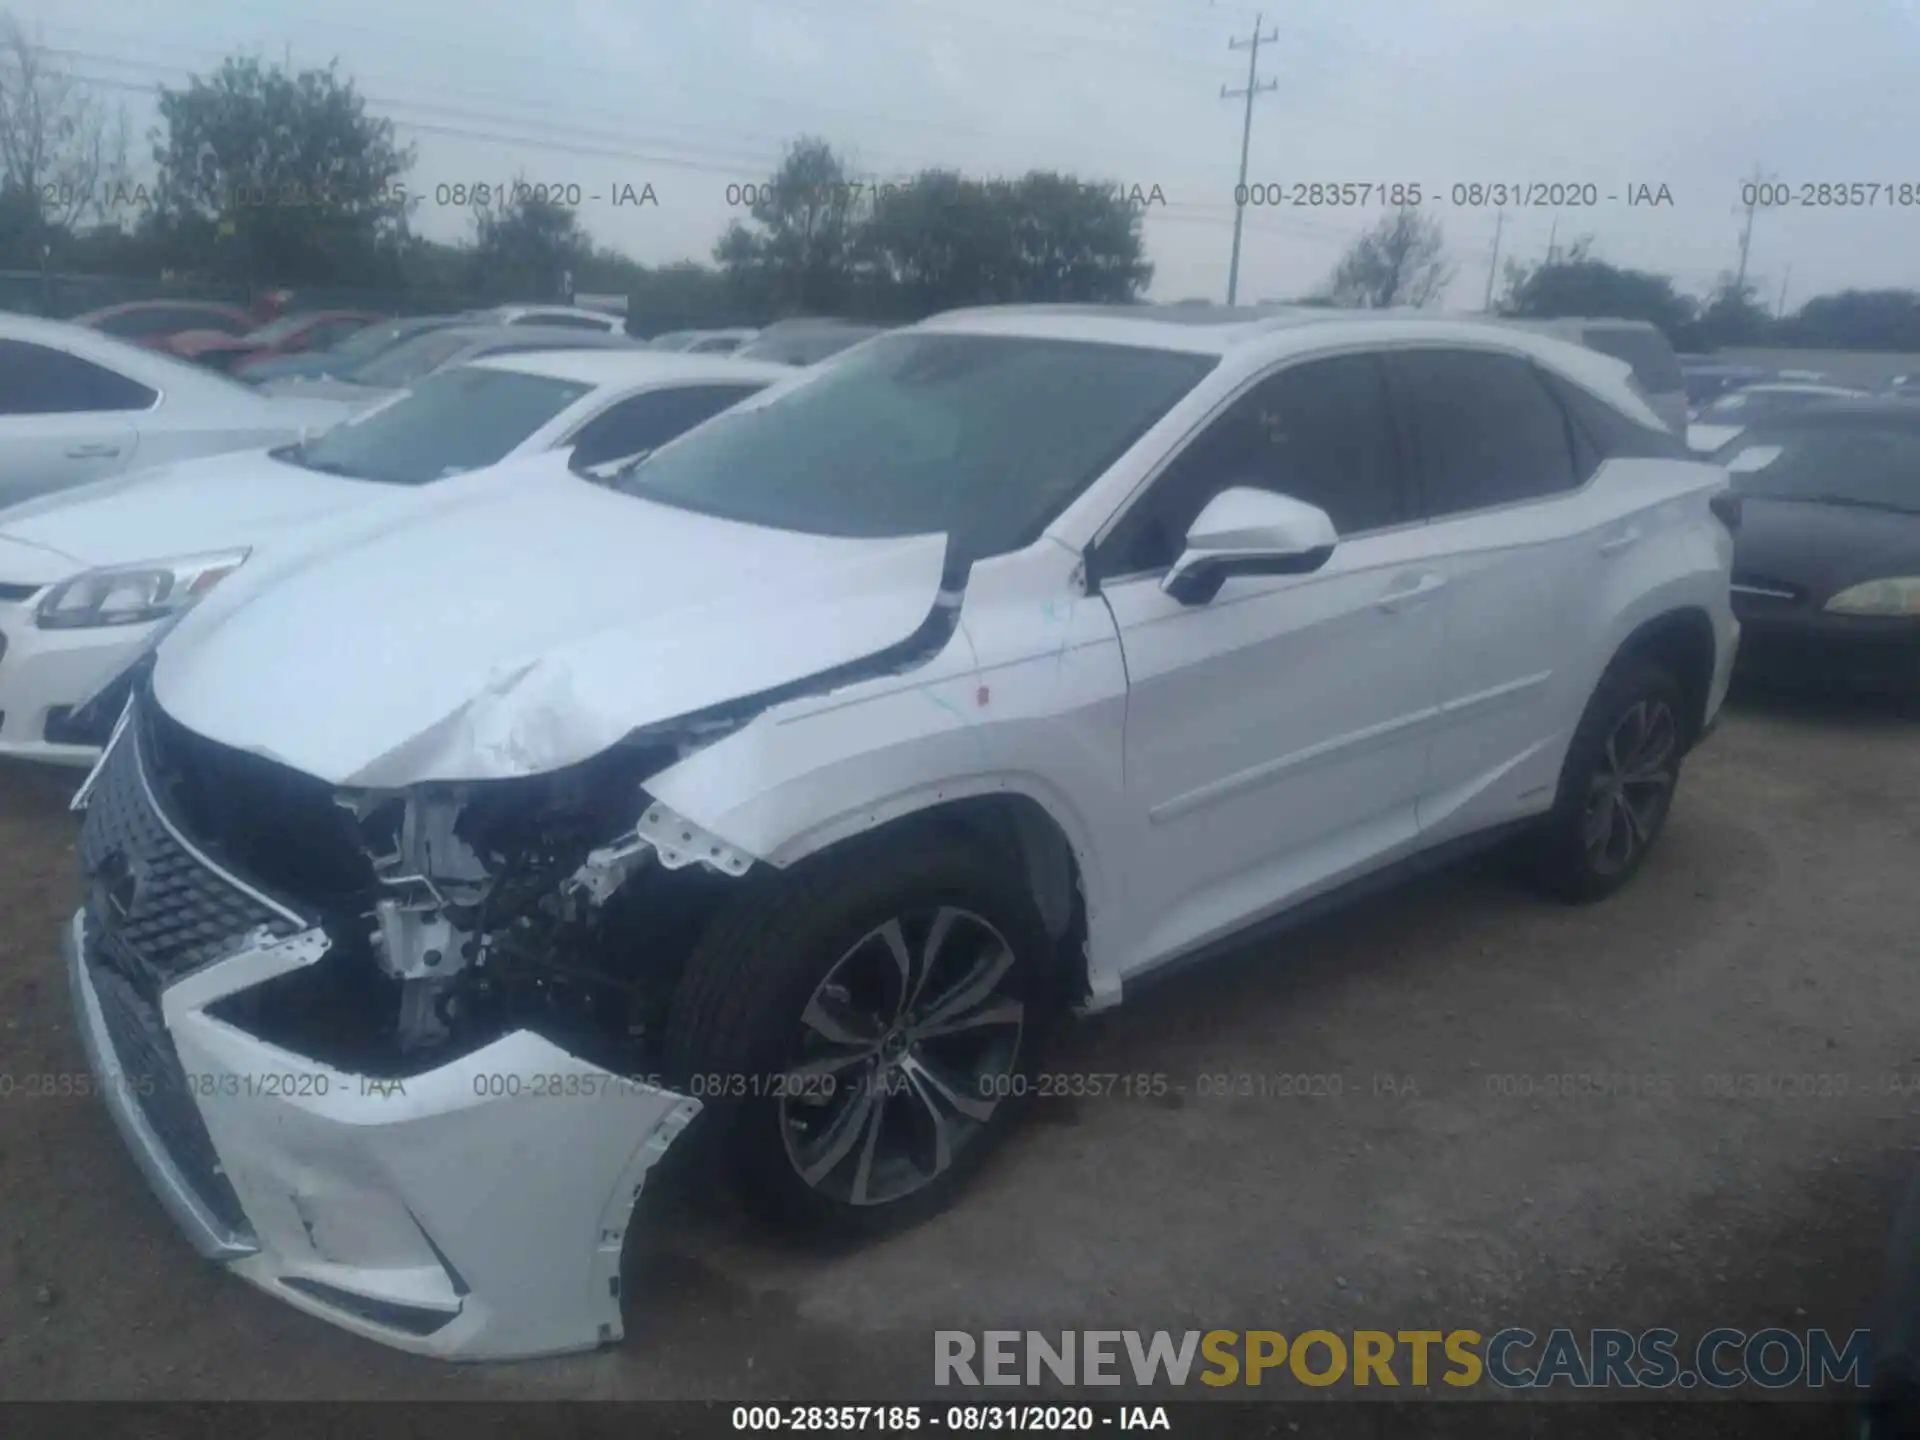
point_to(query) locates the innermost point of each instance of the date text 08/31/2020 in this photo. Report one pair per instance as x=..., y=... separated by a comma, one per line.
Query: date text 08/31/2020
x=957, y=1418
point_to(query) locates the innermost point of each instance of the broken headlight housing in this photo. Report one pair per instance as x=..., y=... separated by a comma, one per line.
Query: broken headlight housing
x=134, y=594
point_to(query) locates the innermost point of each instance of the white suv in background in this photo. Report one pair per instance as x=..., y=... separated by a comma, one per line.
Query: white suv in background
x=785, y=784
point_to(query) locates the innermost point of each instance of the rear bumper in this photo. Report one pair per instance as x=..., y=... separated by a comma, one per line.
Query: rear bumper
x=474, y=1212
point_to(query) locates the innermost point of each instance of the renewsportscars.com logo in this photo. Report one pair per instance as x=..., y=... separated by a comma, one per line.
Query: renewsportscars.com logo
x=1513, y=1358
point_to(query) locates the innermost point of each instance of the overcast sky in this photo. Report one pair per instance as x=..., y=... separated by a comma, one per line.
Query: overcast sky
x=693, y=95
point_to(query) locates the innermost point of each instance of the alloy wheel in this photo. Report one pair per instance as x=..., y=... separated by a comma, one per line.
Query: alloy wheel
x=1628, y=795
x=905, y=1050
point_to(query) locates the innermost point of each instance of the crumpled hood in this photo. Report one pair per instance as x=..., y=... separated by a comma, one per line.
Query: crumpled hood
x=213, y=503
x=518, y=620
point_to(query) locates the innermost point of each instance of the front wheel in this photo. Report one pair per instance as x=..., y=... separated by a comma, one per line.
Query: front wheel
x=1616, y=787
x=863, y=1031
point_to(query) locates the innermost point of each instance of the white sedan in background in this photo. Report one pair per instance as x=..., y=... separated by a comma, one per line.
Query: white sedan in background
x=87, y=576
x=77, y=405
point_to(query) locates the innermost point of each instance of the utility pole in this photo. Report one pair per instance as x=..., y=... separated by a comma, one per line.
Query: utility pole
x=1493, y=265
x=1746, y=230
x=1254, y=87
x=1552, y=231
x=1780, y=309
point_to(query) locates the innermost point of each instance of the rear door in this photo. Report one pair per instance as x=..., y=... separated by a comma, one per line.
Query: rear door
x=63, y=420
x=1493, y=457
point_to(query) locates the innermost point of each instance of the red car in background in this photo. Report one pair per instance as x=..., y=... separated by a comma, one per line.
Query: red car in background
x=289, y=335
x=153, y=323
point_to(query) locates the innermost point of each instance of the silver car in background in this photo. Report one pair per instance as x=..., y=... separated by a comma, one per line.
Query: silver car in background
x=78, y=406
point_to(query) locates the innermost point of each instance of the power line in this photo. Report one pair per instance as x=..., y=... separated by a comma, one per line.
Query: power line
x=1254, y=88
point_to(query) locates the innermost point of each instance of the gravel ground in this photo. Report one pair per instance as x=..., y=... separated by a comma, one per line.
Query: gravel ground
x=1773, y=935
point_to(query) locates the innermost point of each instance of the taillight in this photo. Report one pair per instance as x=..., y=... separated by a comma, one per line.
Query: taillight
x=1726, y=509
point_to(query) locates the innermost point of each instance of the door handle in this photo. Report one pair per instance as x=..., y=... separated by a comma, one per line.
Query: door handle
x=1625, y=538
x=92, y=452
x=1395, y=600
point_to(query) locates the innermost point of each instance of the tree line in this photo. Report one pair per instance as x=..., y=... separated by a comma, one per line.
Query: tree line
x=264, y=177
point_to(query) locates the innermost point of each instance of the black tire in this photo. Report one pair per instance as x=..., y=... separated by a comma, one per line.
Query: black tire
x=1559, y=857
x=735, y=1025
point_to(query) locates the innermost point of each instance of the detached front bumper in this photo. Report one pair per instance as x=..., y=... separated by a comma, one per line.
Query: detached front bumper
x=473, y=1212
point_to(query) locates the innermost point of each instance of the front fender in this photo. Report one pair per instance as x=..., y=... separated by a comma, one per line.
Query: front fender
x=808, y=775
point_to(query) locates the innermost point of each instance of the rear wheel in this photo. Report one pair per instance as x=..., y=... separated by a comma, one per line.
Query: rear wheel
x=1617, y=785
x=862, y=1033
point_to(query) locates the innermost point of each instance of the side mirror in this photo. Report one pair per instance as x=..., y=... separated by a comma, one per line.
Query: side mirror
x=1244, y=531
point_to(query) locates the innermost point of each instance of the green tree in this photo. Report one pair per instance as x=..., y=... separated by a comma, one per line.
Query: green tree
x=1858, y=320
x=800, y=254
x=63, y=155
x=1732, y=315
x=941, y=241
x=527, y=247
x=1400, y=261
x=283, y=177
x=1582, y=286
x=686, y=296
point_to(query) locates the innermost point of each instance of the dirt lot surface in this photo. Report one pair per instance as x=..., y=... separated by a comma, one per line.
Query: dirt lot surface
x=1748, y=1003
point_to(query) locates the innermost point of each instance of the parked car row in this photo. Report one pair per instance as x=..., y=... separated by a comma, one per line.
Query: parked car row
x=807, y=740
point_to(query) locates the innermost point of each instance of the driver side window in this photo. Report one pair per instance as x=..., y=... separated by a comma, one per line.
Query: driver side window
x=1319, y=432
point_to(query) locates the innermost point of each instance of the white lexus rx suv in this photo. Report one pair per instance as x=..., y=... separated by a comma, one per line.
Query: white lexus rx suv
x=784, y=784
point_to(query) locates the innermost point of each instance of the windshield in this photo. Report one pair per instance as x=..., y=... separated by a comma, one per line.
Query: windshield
x=457, y=420
x=370, y=340
x=278, y=329
x=407, y=361
x=983, y=438
x=1874, y=465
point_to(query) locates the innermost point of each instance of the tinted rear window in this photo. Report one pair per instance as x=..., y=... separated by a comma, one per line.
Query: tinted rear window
x=1654, y=364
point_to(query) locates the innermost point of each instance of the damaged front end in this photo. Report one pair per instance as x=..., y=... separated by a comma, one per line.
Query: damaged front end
x=393, y=1056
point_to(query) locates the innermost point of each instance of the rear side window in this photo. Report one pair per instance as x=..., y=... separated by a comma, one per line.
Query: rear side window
x=1655, y=367
x=1484, y=429
x=646, y=422
x=39, y=380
